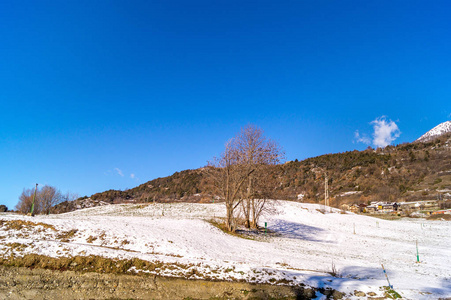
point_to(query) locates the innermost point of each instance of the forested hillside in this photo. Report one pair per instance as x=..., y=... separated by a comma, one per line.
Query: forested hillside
x=407, y=172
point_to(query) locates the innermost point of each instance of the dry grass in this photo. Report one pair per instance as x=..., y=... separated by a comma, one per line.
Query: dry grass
x=90, y=263
x=20, y=224
x=65, y=236
x=385, y=216
x=238, y=233
x=91, y=239
x=125, y=242
x=440, y=217
x=17, y=246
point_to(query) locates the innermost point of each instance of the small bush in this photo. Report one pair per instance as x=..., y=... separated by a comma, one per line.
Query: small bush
x=391, y=293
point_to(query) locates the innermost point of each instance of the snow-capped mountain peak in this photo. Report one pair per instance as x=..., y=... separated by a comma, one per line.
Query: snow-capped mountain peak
x=438, y=130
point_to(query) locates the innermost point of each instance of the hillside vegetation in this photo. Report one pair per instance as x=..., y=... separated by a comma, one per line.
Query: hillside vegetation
x=406, y=172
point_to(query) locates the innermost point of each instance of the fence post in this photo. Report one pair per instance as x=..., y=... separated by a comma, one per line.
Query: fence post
x=386, y=276
x=418, y=255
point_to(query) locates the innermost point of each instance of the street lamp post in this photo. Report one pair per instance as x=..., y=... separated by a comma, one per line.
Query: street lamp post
x=34, y=197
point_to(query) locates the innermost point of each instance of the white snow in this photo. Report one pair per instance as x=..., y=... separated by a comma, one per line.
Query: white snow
x=301, y=247
x=438, y=130
x=349, y=193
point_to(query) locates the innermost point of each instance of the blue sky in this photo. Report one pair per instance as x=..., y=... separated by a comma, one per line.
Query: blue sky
x=98, y=95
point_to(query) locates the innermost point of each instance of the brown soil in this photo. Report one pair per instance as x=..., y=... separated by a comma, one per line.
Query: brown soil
x=26, y=283
x=443, y=217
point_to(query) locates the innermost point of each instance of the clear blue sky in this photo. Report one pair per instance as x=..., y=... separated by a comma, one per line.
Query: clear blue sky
x=92, y=92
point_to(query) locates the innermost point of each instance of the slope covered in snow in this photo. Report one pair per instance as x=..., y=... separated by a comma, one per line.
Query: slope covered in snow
x=438, y=130
x=302, y=246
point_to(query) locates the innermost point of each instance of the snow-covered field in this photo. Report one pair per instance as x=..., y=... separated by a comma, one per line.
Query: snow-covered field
x=301, y=248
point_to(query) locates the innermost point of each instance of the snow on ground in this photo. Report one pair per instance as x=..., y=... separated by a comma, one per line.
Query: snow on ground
x=302, y=246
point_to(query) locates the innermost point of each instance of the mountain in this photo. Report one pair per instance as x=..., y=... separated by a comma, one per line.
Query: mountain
x=406, y=172
x=438, y=130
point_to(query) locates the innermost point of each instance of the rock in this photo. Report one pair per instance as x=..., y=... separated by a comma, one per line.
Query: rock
x=359, y=293
x=338, y=295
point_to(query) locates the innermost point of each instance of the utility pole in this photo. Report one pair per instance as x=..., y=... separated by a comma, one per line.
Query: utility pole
x=32, y=204
x=326, y=190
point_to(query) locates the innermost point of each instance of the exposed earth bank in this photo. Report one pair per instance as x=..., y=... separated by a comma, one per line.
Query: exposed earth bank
x=25, y=283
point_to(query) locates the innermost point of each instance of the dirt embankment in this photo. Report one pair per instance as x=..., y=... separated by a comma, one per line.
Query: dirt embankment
x=25, y=283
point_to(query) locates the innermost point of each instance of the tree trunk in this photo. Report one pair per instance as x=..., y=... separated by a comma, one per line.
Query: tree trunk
x=247, y=204
x=247, y=215
x=229, y=221
x=255, y=215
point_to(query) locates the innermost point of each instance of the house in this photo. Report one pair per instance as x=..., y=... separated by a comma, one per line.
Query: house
x=408, y=205
x=354, y=208
x=389, y=207
x=345, y=207
x=362, y=207
x=371, y=209
x=442, y=212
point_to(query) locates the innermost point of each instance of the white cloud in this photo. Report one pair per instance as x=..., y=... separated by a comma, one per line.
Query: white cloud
x=132, y=176
x=385, y=131
x=119, y=172
x=362, y=138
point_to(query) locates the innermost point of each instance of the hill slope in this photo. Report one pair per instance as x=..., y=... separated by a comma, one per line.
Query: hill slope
x=407, y=172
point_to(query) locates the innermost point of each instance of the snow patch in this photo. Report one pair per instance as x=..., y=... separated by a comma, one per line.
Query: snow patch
x=438, y=130
x=302, y=244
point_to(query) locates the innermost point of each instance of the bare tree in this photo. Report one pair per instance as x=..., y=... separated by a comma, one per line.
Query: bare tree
x=46, y=198
x=25, y=202
x=69, y=196
x=238, y=173
x=229, y=176
x=49, y=196
x=264, y=185
x=257, y=152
